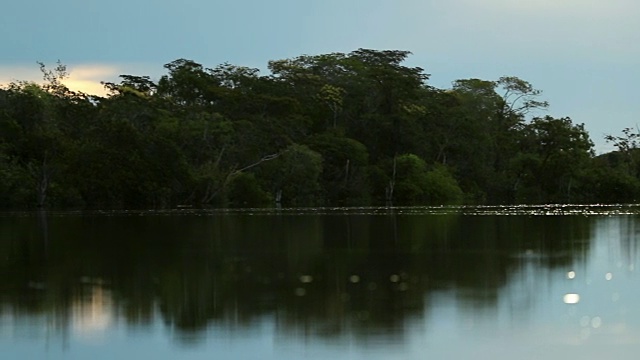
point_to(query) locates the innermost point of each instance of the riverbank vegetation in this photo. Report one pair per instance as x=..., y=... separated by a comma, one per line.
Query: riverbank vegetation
x=340, y=129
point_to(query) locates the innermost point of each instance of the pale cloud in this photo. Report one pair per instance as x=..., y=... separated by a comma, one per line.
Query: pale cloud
x=85, y=78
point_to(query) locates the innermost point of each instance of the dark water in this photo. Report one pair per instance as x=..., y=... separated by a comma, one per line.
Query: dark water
x=413, y=283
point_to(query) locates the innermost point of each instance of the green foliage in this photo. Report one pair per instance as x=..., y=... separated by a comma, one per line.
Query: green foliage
x=411, y=180
x=14, y=185
x=245, y=191
x=628, y=145
x=344, y=177
x=442, y=188
x=416, y=185
x=608, y=184
x=324, y=129
x=293, y=177
x=553, y=154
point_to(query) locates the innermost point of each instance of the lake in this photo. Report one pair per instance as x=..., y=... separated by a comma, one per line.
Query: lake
x=530, y=282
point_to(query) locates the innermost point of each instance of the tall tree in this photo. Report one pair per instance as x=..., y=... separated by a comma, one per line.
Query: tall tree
x=554, y=154
x=498, y=123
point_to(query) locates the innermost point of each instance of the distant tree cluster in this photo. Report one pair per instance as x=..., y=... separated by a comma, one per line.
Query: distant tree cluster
x=324, y=130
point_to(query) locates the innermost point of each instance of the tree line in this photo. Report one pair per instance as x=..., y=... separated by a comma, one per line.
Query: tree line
x=339, y=129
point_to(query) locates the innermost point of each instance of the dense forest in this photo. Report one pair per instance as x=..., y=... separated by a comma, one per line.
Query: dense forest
x=335, y=129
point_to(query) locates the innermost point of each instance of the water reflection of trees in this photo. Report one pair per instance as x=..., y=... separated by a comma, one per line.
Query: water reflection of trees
x=627, y=231
x=324, y=275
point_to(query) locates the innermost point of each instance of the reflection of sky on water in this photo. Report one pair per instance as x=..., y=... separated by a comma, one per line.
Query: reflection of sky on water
x=530, y=320
x=93, y=314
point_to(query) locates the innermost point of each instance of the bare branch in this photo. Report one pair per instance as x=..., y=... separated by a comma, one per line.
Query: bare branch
x=266, y=158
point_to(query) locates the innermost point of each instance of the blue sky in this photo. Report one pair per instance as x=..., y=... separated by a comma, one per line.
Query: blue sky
x=583, y=54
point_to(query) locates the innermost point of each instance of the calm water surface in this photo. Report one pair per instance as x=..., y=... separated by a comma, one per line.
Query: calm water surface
x=407, y=283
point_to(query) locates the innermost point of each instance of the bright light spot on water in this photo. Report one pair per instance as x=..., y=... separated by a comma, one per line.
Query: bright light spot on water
x=354, y=278
x=608, y=276
x=632, y=267
x=596, y=322
x=571, y=298
x=571, y=275
x=305, y=279
x=301, y=292
x=394, y=278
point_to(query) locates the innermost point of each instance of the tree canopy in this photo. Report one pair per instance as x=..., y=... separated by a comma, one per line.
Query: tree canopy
x=338, y=129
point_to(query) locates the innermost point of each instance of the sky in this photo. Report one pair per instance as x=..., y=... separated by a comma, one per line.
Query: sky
x=583, y=54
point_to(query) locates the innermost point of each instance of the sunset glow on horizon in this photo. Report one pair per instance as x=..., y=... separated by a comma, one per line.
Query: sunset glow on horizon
x=85, y=78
